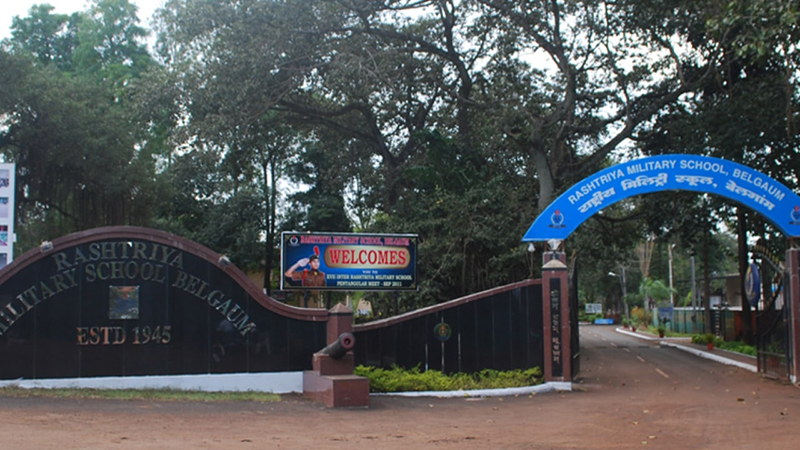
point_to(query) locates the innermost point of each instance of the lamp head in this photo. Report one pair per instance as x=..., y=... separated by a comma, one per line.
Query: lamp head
x=554, y=244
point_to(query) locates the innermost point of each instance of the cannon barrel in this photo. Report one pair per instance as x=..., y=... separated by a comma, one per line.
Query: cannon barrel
x=338, y=348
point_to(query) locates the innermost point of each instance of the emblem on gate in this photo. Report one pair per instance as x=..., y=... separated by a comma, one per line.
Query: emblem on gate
x=442, y=331
x=795, y=216
x=752, y=284
x=123, y=302
x=557, y=220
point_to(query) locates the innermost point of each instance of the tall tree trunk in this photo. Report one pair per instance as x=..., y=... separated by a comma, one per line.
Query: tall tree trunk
x=271, y=193
x=707, y=279
x=546, y=182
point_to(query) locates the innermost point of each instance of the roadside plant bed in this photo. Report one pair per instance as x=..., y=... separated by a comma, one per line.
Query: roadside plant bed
x=706, y=338
x=738, y=347
x=731, y=346
x=667, y=333
x=398, y=379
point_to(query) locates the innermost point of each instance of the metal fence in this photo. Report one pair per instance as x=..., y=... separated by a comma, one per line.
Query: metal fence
x=499, y=329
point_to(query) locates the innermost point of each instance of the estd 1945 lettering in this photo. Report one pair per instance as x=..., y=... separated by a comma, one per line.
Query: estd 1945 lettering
x=119, y=335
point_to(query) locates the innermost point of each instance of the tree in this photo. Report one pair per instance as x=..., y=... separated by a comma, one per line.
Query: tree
x=76, y=160
x=745, y=113
x=378, y=79
x=71, y=133
x=111, y=43
x=613, y=72
x=654, y=290
x=361, y=99
x=49, y=38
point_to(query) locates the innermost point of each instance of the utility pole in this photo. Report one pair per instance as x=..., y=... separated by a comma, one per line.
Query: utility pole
x=625, y=294
x=671, y=295
x=624, y=290
x=694, y=298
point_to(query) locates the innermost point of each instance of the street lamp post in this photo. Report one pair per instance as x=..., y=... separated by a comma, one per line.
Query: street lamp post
x=531, y=250
x=671, y=295
x=624, y=290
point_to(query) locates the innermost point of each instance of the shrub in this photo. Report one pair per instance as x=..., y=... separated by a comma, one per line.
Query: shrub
x=398, y=379
x=702, y=338
x=738, y=347
x=707, y=338
x=640, y=317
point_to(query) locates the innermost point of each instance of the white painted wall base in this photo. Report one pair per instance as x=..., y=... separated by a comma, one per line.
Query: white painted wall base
x=274, y=382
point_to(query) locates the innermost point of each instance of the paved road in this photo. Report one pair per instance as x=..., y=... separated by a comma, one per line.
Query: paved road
x=631, y=394
x=686, y=399
x=613, y=360
x=617, y=356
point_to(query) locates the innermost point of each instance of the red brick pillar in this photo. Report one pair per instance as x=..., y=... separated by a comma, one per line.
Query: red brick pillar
x=340, y=320
x=555, y=306
x=331, y=381
x=793, y=297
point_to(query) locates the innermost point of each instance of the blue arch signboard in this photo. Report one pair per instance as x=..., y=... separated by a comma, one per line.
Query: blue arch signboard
x=731, y=180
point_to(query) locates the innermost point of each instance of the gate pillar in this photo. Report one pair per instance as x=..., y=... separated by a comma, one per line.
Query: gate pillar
x=793, y=297
x=555, y=306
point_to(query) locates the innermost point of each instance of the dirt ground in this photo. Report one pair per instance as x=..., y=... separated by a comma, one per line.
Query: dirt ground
x=630, y=394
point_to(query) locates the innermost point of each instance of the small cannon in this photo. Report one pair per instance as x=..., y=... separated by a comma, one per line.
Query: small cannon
x=338, y=348
x=331, y=379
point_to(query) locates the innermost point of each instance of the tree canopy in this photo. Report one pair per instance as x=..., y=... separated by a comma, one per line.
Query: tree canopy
x=455, y=120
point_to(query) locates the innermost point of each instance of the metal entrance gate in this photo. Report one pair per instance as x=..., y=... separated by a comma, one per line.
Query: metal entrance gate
x=772, y=322
x=575, y=347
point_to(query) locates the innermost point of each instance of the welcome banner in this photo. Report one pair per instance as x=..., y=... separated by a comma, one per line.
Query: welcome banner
x=348, y=261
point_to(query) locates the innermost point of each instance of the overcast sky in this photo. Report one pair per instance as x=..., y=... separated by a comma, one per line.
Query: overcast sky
x=20, y=8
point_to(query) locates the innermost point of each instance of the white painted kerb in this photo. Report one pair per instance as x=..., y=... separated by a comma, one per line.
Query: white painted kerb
x=553, y=386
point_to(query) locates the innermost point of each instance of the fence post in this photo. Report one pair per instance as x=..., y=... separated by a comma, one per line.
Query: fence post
x=793, y=297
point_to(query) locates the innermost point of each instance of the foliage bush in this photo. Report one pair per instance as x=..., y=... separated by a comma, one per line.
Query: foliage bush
x=640, y=317
x=702, y=338
x=398, y=379
x=738, y=347
x=776, y=347
x=733, y=346
x=654, y=289
x=707, y=338
x=583, y=317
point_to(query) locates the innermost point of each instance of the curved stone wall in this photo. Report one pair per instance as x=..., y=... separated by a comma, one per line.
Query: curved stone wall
x=128, y=301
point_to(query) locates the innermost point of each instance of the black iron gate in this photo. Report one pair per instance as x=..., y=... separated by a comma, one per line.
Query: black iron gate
x=574, y=343
x=772, y=324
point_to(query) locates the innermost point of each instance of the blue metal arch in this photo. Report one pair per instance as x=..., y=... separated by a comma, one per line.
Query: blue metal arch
x=739, y=183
